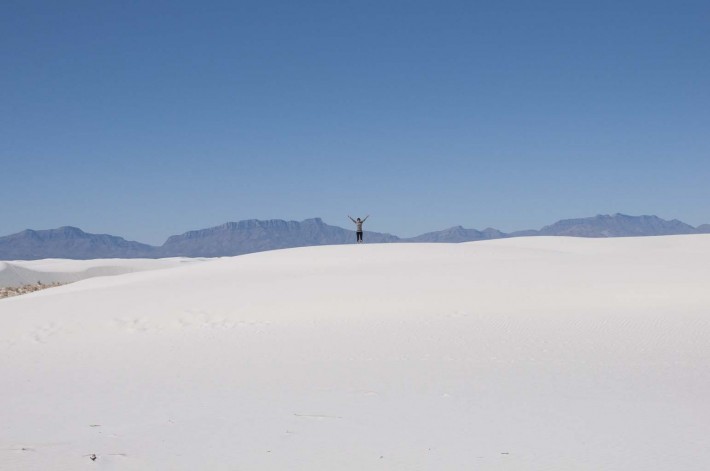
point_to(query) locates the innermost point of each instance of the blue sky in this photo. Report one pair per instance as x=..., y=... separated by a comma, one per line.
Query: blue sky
x=146, y=119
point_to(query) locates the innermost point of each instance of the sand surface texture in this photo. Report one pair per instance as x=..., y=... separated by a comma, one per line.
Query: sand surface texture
x=49, y=271
x=522, y=354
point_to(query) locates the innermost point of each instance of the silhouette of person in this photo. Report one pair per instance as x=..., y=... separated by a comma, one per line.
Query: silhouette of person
x=359, y=222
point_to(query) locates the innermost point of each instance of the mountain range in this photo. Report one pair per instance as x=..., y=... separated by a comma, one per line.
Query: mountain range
x=237, y=238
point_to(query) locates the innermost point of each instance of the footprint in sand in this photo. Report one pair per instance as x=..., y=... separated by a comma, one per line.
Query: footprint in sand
x=44, y=332
x=136, y=325
x=317, y=416
x=205, y=320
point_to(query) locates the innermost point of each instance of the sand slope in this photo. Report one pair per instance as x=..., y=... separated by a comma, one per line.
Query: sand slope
x=523, y=354
x=21, y=272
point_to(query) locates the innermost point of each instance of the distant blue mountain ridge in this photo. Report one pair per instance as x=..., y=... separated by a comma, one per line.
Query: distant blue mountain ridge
x=237, y=238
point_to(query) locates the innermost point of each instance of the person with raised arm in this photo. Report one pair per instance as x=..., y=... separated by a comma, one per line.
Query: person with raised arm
x=359, y=222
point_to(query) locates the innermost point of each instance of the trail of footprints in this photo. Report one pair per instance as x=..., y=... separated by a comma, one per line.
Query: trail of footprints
x=188, y=319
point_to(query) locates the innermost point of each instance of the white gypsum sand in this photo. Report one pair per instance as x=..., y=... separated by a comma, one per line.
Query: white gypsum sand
x=47, y=271
x=522, y=354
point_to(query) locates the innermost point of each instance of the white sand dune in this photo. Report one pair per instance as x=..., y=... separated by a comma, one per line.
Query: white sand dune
x=520, y=354
x=47, y=271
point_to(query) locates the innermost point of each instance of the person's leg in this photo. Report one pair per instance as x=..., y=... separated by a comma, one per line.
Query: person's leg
x=359, y=236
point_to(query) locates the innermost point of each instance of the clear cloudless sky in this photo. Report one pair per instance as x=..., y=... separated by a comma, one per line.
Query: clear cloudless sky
x=149, y=118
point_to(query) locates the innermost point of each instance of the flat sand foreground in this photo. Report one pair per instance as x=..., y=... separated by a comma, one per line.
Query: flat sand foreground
x=542, y=353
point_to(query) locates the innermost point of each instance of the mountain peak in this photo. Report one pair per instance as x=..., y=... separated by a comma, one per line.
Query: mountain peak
x=69, y=242
x=617, y=225
x=70, y=231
